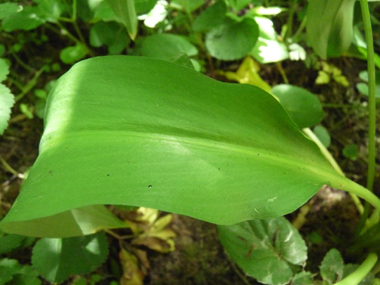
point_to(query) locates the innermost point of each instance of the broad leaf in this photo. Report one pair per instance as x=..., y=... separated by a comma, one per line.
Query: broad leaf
x=27, y=19
x=265, y=249
x=212, y=17
x=56, y=258
x=6, y=102
x=303, y=107
x=145, y=132
x=7, y=9
x=232, y=40
x=329, y=26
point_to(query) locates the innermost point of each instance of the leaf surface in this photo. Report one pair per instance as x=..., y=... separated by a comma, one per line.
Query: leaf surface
x=265, y=249
x=143, y=132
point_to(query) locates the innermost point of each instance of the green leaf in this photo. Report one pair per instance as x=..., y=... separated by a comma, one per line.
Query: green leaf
x=27, y=275
x=167, y=46
x=7, y=9
x=237, y=5
x=351, y=151
x=330, y=26
x=303, y=278
x=83, y=221
x=110, y=34
x=232, y=40
x=77, y=255
x=72, y=54
x=6, y=102
x=265, y=249
x=8, y=268
x=50, y=10
x=212, y=17
x=144, y=6
x=188, y=5
x=142, y=132
x=4, y=69
x=183, y=60
x=126, y=13
x=9, y=243
x=323, y=135
x=332, y=267
x=27, y=19
x=268, y=48
x=303, y=107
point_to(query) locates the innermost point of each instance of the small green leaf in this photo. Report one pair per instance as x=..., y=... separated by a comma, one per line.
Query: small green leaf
x=27, y=275
x=8, y=268
x=167, y=46
x=7, y=9
x=302, y=106
x=72, y=54
x=144, y=6
x=330, y=26
x=126, y=13
x=50, y=10
x=109, y=33
x=6, y=103
x=323, y=77
x=323, y=135
x=4, y=69
x=27, y=19
x=237, y=5
x=55, y=259
x=9, y=243
x=188, y=5
x=332, y=266
x=212, y=17
x=265, y=249
x=232, y=40
x=351, y=151
x=303, y=278
x=26, y=110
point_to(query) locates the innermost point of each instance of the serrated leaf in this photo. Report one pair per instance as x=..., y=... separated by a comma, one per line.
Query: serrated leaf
x=6, y=103
x=332, y=266
x=77, y=255
x=167, y=46
x=142, y=132
x=265, y=249
x=232, y=40
x=126, y=14
x=330, y=26
x=7, y=9
x=212, y=17
x=8, y=268
x=302, y=106
x=27, y=19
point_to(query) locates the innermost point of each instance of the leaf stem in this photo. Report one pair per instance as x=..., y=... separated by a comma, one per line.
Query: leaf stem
x=360, y=273
x=333, y=163
x=371, y=105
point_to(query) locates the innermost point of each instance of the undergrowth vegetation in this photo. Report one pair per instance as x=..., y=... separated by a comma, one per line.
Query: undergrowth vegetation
x=233, y=112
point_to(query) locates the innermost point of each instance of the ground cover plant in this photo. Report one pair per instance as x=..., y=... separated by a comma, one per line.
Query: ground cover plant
x=132, y=126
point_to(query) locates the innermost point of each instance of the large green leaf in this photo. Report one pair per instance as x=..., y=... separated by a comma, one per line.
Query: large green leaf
x=144, y=132
x=329, y=26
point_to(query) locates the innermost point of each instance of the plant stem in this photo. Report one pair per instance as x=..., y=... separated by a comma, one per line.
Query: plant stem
x=30, y=84
x=333, y=163
x=282, y=72
x=371, y=106
x=371, y=92
x=360, y=273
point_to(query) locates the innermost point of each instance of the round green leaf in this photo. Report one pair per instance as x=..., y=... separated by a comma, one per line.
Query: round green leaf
x=332, y=266
x=232, y=40
x=323, y=135
x=212, y=17
x=167, y=46
x=72, y=54
x=265, y=249
x=56, y=259
x=143, y=132
x=303, y=107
